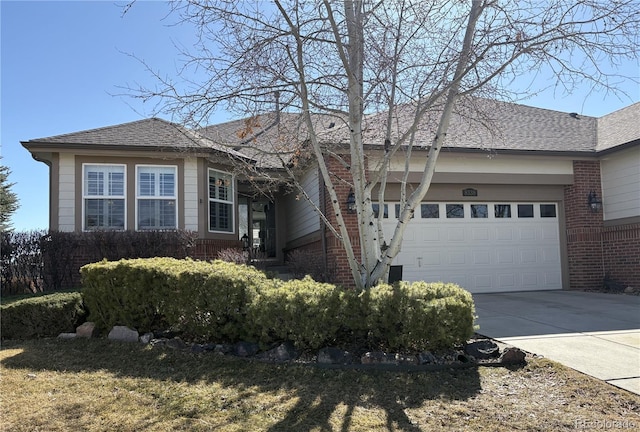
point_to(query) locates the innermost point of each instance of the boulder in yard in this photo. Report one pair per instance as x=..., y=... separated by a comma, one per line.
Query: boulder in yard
x=123, y=334
x=482, y=349
x=511, y=356
x=86, y=330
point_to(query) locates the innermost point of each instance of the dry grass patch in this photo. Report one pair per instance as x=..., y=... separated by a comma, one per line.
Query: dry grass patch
x=98, y=385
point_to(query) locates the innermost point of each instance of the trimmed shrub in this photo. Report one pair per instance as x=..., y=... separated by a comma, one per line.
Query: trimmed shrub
x=42, y=316
x=203, y=299
x=418, y=315
x=210, y=300
x=126, y=292
x=227, y=302
x=308, y=313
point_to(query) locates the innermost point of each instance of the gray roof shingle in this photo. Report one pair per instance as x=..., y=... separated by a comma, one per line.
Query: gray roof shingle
x=270, y=139
x=619, y=127
x=147, y=133
x=490, y=125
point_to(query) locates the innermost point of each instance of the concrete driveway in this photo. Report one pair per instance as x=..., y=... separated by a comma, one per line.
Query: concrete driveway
x=597, y=334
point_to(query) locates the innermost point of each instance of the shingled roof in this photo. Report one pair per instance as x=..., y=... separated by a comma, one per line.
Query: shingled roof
x=270, y=139
x=153, y=133
x=619, y=128
x=486, y=124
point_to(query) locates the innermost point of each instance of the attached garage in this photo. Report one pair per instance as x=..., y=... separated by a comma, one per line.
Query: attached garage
x=482, y=246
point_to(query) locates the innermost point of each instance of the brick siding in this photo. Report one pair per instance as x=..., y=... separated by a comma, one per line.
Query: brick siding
x=595, y=250
x=621, y=247
x=584, y=227
x=335, y=250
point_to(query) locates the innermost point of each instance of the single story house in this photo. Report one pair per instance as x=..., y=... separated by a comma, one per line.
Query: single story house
x=522, y=198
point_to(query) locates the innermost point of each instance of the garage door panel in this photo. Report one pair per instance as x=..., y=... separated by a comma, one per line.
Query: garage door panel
x=456, y=234
x=457, y=258
x=550, y=232
x=508, y=281
x=430, y=234
x=529, y=256
x=528, y=234
x=504, y=234
x=505, y=256
x=485, y=254
x=430, y=259
x=480, y=234
x=481, y=257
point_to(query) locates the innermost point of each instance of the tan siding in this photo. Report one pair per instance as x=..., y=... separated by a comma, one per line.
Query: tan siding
x=301, y=216
x=66, y=193
x=191, y=194
x=621, y=184
x=486, y=163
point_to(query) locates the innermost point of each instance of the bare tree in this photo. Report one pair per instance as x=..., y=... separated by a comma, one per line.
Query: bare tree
x=411, y=64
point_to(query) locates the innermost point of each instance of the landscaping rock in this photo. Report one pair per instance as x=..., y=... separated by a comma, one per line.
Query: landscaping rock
x=66, y=336
x=482, y=349
x=382, y=358
x=629, y=290
x=86, y=330
x=282, y=353
x=222, y=349
x=331, y=355
x=245, y=349
x=426, y=357
x=512, y=356
x=146, y=338
x=123, y=334
x=176, y=343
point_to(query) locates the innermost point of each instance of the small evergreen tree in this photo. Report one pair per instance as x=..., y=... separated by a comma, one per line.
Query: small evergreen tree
x=8, y=199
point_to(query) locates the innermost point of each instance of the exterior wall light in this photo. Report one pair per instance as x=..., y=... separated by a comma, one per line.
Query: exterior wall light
x=351, y=202
x=245, y=242
x=594, y=203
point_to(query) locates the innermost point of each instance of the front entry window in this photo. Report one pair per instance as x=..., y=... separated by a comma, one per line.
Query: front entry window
x=103, y=190
x=221, y=196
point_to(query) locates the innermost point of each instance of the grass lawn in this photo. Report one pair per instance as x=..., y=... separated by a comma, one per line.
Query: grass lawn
x=99, y=385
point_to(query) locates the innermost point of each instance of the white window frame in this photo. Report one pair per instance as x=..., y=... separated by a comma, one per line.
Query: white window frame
x=105, y=196
x=231, y=201
x=156, y=196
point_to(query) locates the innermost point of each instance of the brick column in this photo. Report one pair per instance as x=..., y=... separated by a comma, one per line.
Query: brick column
x=336, y=254
x=584, y=227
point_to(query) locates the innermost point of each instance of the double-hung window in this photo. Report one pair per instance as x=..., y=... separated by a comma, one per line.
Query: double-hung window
x=156, y=197
x=103, y=195
x=221, y=196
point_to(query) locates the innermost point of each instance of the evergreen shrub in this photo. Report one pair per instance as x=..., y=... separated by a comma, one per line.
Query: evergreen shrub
x=226, y=302
x=202, y=299
x=308, y=313
x=419, y=315
x=41, y=316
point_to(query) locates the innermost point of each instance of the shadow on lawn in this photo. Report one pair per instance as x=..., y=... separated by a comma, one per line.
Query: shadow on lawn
x=320, y=392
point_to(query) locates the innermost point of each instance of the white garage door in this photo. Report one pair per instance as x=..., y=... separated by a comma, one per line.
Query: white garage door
x=483, y=247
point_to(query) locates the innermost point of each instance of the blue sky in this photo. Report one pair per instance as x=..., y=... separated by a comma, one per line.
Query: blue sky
x=62, y=63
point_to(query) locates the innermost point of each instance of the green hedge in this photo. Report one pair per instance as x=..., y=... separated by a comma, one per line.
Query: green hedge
x=42, y=316
x=418, y=315
x=222, y=301
x=309, y=313
x=203, y=299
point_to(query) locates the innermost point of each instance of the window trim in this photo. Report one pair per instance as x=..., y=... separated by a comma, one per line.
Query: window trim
x=232, y=203
x=173, y=198
x=85, y=197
